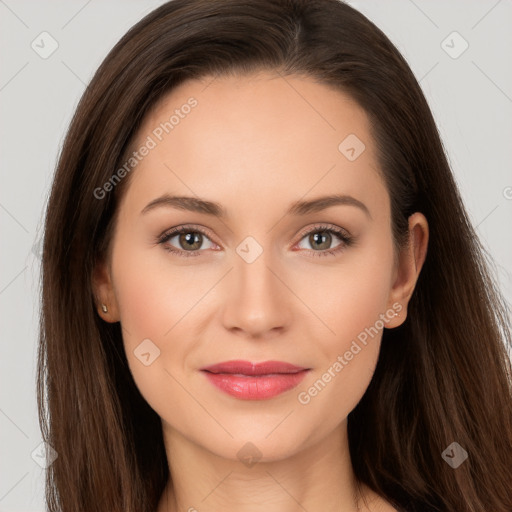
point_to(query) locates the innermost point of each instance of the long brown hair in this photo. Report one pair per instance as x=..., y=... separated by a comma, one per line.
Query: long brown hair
x=443, y=376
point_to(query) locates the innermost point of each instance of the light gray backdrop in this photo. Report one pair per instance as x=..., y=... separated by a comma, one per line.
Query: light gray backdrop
x=49, y=51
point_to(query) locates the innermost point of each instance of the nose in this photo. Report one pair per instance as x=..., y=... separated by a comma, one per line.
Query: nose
x=257, y=301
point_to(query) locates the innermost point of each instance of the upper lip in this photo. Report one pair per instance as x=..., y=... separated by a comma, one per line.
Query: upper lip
x=248, y=368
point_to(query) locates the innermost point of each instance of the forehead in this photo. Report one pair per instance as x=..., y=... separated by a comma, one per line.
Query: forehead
x=256, y=136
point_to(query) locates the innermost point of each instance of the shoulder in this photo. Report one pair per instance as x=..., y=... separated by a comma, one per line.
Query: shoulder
x=376, y=503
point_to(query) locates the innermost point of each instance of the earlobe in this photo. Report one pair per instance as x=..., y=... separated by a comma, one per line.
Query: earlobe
x=410, y=263
x=106, y=304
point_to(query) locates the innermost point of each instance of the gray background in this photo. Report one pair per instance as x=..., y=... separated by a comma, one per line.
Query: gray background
x=470, y=96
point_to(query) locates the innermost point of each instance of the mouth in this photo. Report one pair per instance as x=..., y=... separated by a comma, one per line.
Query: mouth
x=254, y=381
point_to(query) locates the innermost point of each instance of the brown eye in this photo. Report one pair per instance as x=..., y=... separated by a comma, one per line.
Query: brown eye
x=325, y=241
x=190, y=241
x=320, y=240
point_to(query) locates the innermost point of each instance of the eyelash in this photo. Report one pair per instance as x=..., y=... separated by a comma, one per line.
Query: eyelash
x=346, y=239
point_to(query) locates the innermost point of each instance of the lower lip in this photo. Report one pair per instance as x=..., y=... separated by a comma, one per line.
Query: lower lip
x=258, y=387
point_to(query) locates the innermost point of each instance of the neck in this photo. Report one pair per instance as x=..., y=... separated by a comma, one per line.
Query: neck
x=320, y=477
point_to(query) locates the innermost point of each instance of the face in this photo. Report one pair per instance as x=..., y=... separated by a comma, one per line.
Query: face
x=268, y=273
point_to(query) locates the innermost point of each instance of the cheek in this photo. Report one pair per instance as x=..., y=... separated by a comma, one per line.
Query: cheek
x=351, y=300
x=155, y=290
x=156, y=302
x=349, y=297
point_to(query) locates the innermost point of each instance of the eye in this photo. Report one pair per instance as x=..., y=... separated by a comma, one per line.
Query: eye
x=190, y=240
x=185, y=241
x=321, y=238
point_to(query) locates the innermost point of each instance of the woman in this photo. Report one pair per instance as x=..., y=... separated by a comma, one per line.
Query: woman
x=261, y=289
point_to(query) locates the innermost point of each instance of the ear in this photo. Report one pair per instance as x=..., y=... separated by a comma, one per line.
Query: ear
x=410, y=263
x=103, y=290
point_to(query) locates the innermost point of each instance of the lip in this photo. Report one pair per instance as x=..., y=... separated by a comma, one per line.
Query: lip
x=254, y=381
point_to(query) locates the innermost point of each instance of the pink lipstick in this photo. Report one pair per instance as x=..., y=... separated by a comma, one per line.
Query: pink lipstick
x=254, y=381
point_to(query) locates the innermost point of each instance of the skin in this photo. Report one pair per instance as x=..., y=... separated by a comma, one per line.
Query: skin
x=256, y=144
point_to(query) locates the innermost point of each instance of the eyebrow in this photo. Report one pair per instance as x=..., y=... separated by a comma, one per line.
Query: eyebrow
x=195, y=204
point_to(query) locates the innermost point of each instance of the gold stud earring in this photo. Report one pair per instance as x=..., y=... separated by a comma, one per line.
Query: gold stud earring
x=104, y=308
